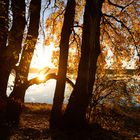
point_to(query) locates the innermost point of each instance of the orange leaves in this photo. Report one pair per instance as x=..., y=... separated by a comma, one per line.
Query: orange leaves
x=47, y=42
x=138, y=99
x=120, y=30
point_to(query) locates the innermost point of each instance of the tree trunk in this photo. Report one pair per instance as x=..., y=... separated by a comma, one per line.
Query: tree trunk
x=10, y=46
x=11, y=53
x=64, y=47
x=27, y=53
x=94, y=41
x=14, y=106
x=17, y=30
x=75, y=114
x=3, y=41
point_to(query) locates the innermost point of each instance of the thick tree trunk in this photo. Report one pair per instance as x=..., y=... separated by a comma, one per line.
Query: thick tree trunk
x=64, y=47
x=94, y=41
x=15, y=36
x=10, y=45
x=14, y=106
x=75, y=114
x=27, y=53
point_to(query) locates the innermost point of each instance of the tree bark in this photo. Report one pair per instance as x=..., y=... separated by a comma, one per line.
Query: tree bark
x=75, y=114
x=64, y=47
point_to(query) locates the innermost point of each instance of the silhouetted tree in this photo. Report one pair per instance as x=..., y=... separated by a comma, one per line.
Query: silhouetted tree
x=14, y=106
x=12, y=18
x=13, y=39
x=64, y=47
x=3, y=42
x=75, y=114
x=27, y=53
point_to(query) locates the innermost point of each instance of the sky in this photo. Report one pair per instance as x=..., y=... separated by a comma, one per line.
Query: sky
x=42, y=93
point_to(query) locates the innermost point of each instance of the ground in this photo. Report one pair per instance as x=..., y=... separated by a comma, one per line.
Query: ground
x=34, y=125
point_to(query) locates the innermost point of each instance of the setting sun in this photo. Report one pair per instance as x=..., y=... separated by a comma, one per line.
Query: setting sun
x=41, y=77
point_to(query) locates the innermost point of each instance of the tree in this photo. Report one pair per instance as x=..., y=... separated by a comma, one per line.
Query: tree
x=64, y=47
x=118, y=35
x=54, y=25
x=14, y=106
x=80, y=97
x=119, y=31
x=3, y=42
x=27, y=53
x=11, y=47
x=10, y=53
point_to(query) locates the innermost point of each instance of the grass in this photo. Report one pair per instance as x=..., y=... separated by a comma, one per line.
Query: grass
x=124, y=121
x=37, y=108
x=114, y=124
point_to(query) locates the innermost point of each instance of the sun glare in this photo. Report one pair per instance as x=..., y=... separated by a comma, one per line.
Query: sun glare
x=41, y=77
x=41, y=59
x=42, y=56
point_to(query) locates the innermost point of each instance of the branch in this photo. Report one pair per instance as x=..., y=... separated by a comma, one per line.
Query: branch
x=109, y=37
x=116, y=5
x=77, y=25
x=55, y=4
x=98, y=97
x=47, y=77
x=124, y=26
x=43, y=13
x=59, y=14
x=76, y=39
x=111, y=25
x=119, y=6
x=70, y=82
x=116, y=19
x=54, y=20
